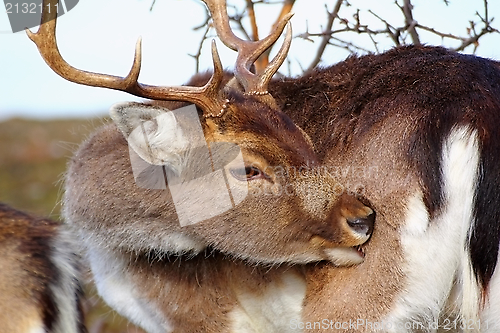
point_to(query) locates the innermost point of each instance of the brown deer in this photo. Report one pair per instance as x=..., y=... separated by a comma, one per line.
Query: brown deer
x=290, y=212
x=39, y=276
x=415, y=130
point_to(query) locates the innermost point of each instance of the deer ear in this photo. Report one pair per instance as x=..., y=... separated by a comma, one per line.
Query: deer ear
x=152, y=132
x=129, y=116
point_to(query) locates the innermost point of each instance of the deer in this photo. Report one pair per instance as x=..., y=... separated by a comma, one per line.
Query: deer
x=40, y=288
x=411, y=134
x=294, y=216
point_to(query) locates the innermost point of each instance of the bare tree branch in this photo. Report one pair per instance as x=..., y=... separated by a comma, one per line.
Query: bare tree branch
x=473, y=36
x=263, y=60
x=337, y=29
x=393, y=32
x=197, y=55
x=410, y=22
x=237, y=18
x=253, y=21
x=326, y=38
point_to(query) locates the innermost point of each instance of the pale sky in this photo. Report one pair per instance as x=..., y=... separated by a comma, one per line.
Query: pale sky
x=100, y=35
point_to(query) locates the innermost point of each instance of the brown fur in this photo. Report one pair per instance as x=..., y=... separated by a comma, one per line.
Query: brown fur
x=104, y=205
x=101, y=171
x=381, y=128
x=338, y=120
x=28, y=272
x=389, y=113
x=199, y=294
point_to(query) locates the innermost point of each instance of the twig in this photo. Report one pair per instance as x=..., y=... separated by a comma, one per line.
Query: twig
x=393, y=32
x=326, y=38
x=238, y=18
x=410, y=22
x=400, y=35
x=473, y=38
x=253, y=21
x=200, y=47
x=263, y=60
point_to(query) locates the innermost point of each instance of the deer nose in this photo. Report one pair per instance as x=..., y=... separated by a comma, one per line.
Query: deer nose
x=362, y=225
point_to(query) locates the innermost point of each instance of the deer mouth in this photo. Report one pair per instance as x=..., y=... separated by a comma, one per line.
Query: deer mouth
x=345, y=256
x=340, y=255
x=360, y=250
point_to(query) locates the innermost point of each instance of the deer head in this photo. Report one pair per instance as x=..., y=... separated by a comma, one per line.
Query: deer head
x=281, y=207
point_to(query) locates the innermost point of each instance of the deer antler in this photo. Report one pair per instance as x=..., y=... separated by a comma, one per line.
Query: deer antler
x=249, y=51
x=207, y=97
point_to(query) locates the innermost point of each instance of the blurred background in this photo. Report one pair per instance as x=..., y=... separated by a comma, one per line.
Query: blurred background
x=43, y=118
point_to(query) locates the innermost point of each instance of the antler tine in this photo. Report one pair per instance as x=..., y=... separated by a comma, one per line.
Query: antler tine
x=207, y=97
x=277, y=61
x=45, y=40
x=249, y=51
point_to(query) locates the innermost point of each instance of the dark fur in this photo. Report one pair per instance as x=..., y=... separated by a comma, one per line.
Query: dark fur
x=436, y=89
x=433, y=87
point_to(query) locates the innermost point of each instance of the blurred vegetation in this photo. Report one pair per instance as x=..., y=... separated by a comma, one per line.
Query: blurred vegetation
x=33, y=158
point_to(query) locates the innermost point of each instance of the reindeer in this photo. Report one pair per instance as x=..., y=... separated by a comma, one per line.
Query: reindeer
x=414, y=130
x=39, y=276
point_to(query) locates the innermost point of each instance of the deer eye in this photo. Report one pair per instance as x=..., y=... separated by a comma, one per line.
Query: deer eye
x=246, y=173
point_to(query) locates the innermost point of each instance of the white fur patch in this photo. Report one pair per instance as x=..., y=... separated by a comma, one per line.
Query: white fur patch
x=66, y=262
x=272, y=311
x=344, y=256
x=40, y=328
x=435, y=256
x=177, y=242
x=115, y=288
